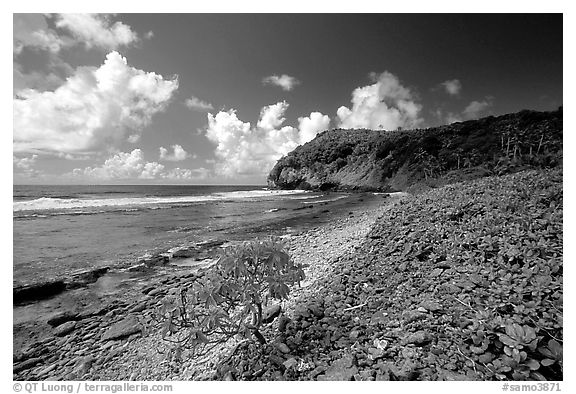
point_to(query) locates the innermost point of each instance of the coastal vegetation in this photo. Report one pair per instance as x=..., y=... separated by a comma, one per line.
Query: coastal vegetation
x=461, y=278
x=463, y=282
x=466, y=277
x=232, y=300
x=396, y=160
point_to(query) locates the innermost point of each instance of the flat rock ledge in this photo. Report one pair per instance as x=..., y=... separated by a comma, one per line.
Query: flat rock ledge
x=122, y=329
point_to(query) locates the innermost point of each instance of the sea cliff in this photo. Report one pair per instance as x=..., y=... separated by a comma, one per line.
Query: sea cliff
x=360, y=159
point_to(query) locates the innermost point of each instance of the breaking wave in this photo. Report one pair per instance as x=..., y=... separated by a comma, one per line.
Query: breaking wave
x=48, y=203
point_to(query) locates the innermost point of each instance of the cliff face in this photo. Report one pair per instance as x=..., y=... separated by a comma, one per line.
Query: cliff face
x=394, y=160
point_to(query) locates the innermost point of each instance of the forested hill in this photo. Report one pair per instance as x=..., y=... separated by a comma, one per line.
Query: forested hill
x=360, y=159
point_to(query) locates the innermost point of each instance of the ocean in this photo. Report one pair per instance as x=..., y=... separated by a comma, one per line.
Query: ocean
x=61, y=229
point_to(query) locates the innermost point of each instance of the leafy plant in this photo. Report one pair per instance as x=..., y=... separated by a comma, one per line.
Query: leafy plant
x=229, y=299
x=553, y=353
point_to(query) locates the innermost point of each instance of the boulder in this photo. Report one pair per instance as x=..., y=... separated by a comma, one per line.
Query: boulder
x=58, y=318
x=379, y=317
x=412, y=316
x=124, y=328
x=83, y=365
x=282, y=347
x=282, y=323
x=290, y=363
x=271, y=313
x=37, y=291
x=431, y=306
x=65, y=328
x=341, y=369
x=418, y=338
x=84, y=277
x=185, y=253
x=26, y=364
x=138, y=307
x=445, y=375
x=151, y=261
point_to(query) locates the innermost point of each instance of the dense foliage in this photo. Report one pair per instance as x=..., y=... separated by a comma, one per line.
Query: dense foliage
x=457, y=283
x=228, y=299
x=371, y=159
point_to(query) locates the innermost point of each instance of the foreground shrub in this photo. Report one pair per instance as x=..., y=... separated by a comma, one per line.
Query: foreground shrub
x=228, y=300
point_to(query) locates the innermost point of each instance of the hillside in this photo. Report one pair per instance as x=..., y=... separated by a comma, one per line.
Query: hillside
x=361, y=159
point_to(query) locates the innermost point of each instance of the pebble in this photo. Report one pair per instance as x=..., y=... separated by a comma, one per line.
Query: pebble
x=282, y=347
x=418, y=338
x=48, y=369
x=64, y=329
x=290, y=363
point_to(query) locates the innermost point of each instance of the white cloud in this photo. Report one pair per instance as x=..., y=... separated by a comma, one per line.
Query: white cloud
x=245, y=150
x=195, y=103
x=312, y=125
x=94, y=109
x=132, y=166
x=271, y=116
x=92, y=30
x=286, y=82
x=149, y=35
x=133, y=138
x=122, y=166
x=178, y=155
x=97, y=30
x=24, y=163
x=23, y=167
x=34, y=80
x=384, y=105
x=452, y=87
x=187, y=174
x=31, y=30
x=476, y=109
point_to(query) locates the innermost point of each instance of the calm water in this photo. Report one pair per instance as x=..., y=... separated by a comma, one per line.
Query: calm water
x=59, y=229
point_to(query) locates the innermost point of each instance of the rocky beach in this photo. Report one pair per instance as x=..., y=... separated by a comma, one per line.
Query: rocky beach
x=117, y=338
x=322, y=194
x=424, y=287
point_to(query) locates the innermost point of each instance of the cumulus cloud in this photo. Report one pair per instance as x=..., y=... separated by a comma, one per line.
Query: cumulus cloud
x=310, y=126
x=178, y=154
x=122, y=165
x=51, y=77
x=384, y=105
x=91, y=30
x=184, y=174
x=24, y=166
x=97, y=30
x=132, y=165
x=476, y=109
x=452, y=87
x=194, y=103
x=242, y=149
x=94, y=109
x=24, y=163
x=34, y=80
x=286, y=82
x=31, y=30
x=133, y=138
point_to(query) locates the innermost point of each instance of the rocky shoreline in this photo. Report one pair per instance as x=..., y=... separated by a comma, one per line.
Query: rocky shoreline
x=425, y=287
x=120, y=340
x=444, y=287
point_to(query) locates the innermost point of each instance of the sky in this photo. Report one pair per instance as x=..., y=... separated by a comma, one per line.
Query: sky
x=219, y=98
